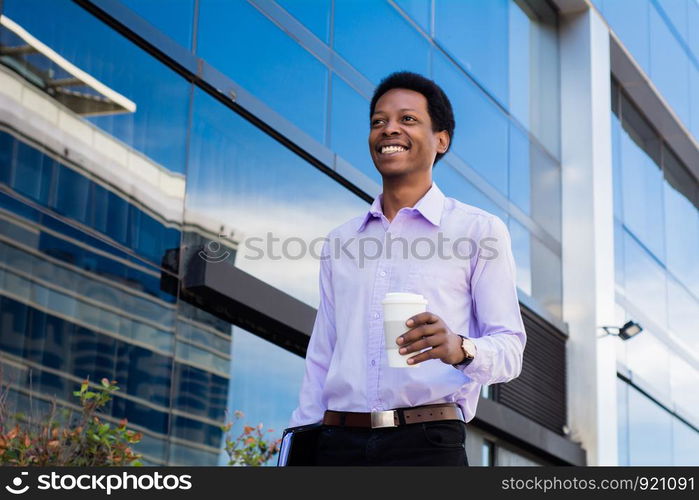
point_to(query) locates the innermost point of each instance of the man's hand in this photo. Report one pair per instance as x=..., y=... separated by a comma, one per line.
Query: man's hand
x=429, y=330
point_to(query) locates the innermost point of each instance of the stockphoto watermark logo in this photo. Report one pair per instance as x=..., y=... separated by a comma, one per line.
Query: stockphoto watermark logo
x=17, y=487
x=271, y=247
x=107, y=483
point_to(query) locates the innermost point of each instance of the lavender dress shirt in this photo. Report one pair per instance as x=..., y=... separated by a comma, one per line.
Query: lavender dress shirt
x=459, y=258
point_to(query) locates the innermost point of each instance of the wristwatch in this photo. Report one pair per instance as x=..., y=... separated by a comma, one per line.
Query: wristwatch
x=469, y=350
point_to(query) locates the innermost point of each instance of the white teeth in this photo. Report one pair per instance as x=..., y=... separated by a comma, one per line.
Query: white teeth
x=392, y=149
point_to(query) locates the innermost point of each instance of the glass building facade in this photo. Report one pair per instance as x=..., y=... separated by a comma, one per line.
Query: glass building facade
x=166, y=134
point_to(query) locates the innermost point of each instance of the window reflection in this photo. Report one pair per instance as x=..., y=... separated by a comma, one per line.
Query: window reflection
x=275, y=68
x=157, y=126
x=645, y=281
x=683, y=312
x=481, y=137
x=350, y=128
x=271, y=201
x=650, y=432
x=622, y=394
x=471, y=30
x=685, y=450
x=362, y=23
x=314, y=14
x=177, y=23
x=669, y=65
x=521, y=248
x=419, y=11
x=642, y=195
x=265, y=383
x=682, y=240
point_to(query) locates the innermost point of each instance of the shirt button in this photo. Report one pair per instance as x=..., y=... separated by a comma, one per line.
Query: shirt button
x=373, y=362
x=383, y=273
x=376, y=315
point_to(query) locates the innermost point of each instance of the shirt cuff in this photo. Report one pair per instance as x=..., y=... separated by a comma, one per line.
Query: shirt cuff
x=480, y=367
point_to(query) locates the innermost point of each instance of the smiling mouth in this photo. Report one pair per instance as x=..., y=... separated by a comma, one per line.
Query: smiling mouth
x=392, y=150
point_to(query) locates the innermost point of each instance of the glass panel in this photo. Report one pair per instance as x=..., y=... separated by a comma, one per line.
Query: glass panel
x=419, y=10
x=350, y=128
x=533, y=74
x=362, y=23
x=650, y=432
x=481, y=128
x=648, y=358
x=616, y=166
x=645, y=281
x=546, y=191
x=693, y=19
x=172, y=18
x=546, y=273
x=265, y=383
x=520, y=182
x=642, y=188
x=683, y=313
x=622, y=394
x=683, y=378
x=685, y=444
x=455, y=185
x=619, y=253
x=148, y=115
x=268, y=204
x=472, y=31
x=314, y=14
x=694, y=91
x=669, y=66
x=682, y=238
x=677, y=11
x=275, y=68
x=521, y=248
x=629, y=20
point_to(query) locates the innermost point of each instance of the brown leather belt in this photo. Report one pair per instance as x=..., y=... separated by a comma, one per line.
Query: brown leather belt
x=394, y=418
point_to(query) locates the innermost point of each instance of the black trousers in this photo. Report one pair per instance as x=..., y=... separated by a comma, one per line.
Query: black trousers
x=430, y=443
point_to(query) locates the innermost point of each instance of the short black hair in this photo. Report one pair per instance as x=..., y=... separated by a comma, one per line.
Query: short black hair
x=438, y=105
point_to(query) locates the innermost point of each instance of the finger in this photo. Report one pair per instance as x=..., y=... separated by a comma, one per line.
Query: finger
x=421, y=318
x=419, y=345
x=418, y=332
x=434, y=353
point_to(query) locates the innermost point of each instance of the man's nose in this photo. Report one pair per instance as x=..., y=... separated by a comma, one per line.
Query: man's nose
x=391, y=128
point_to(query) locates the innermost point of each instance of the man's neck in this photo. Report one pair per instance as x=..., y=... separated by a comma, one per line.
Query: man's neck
x=399, y=193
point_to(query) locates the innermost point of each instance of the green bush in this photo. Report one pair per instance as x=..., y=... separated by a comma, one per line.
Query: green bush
x=77, y=442
x=249, y=447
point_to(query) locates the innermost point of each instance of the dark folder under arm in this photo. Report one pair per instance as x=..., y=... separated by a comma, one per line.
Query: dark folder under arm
x=299, y=445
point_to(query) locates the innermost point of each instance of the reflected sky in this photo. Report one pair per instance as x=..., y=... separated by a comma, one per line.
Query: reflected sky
x=158, y=127
x=472, y=31
x=249, y=182
x=376, y=40
x=265, y=384
x=274, y=68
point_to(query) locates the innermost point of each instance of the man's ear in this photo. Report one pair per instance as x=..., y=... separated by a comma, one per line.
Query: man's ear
x=442, y=141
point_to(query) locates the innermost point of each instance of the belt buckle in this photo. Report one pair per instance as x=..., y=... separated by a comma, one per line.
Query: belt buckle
x=385, y=418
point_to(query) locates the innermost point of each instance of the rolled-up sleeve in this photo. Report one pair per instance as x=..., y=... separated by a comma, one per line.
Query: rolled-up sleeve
x=319, y=353
x=499, y=337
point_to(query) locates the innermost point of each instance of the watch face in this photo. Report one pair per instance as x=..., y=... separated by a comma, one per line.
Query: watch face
x=467, y=346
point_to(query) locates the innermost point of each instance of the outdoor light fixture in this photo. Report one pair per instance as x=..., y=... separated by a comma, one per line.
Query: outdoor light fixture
x=630, y=329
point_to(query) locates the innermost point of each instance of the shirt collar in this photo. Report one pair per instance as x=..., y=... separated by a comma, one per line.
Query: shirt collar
x=430, y=206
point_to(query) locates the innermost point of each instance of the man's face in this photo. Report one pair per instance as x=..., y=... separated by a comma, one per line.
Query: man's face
x=401, y=139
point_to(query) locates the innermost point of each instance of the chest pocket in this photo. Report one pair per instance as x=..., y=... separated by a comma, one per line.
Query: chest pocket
x=437, y=278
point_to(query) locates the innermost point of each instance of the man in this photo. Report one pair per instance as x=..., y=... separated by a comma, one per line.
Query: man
x=472, y=333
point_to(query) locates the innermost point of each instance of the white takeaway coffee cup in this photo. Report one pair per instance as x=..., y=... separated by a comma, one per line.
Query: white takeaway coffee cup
x=398, y=307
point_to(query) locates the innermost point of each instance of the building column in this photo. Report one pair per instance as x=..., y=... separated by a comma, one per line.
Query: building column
x=588, y=233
